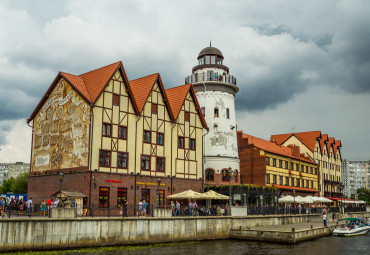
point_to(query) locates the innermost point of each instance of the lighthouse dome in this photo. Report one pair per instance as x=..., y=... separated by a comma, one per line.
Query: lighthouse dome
x=210, y=51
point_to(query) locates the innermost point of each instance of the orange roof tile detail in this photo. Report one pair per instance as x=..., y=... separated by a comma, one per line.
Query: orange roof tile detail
x=273, y=147
x=96, y=80
x=294, y=188
x=176, y=97
x=307, y=138
x=141, y=89
x=323, y=141
x=78, y=83
x=337, y=145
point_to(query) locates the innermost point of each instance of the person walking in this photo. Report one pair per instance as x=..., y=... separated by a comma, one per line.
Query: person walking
x=145, y=204
x=190, y=208
x=124, y=208
x=140, y=208
x=2, y=206
x=324, y=217
x=178, y=209
x=29, y=205
x=172, y=208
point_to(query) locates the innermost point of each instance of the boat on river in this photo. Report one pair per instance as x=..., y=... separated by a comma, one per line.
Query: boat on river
x=352, y=227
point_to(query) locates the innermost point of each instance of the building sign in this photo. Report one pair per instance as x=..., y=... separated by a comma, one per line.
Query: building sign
x=236, y=196
x=42, y=160
x=148, y=183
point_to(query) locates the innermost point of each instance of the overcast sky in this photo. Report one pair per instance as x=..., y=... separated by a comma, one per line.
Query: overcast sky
x=300, y=65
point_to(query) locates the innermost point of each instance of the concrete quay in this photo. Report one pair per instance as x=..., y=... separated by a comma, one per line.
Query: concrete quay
x=289, y=233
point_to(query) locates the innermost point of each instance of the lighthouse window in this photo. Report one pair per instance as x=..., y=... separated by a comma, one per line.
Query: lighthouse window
x=208, y=59
x=219, y=61
x=227, y=113
x=216, y=112
x=213, y=59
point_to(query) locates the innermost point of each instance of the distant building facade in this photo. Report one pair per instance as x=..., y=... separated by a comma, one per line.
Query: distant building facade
x=358, y=176
x=116, y=139
x=9, y=170
x=325, y=151
x=284, y=167
x=216, y=88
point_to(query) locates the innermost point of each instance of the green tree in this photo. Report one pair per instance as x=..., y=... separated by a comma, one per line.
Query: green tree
x=363, y=194
x=7, y=185
x=20, y=184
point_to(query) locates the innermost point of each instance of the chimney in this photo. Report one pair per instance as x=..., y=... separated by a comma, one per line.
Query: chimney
x=295, y=151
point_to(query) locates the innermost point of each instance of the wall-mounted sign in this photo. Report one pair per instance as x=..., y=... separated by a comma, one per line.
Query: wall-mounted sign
x=236, y=196
x=148, y=183
x=42, y=160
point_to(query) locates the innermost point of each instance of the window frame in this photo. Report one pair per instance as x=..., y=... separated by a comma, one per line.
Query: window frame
x=267, y=160
x=106, y=124
x=141, y=162
x=110, y=158
x=150, y=136
x=268, y=179
x=121, y=191
x=187, y=116
x=125, y=135
x=118, y=158
x=104, y=202
x=225, y=177
x=192, y=141
x=227, y=113
x=116, y=99
x=216, y=112
x=207, y=175
x=164, y=164
x=154, y=108
x=160, y=134
x=180, y=145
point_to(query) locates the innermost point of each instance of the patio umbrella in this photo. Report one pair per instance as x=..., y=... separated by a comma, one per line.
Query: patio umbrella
x=307, y=200
x=188, y=194
x=214, y=195
x=315, y=199
x=299, y=199
x=286, y=199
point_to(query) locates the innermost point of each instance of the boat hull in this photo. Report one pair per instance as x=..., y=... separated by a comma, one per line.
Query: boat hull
x=356, y=232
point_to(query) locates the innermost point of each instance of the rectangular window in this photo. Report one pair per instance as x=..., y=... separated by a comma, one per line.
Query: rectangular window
x=286, y=164
x=115, y=99
x=311, y=184
x=160, y=196
x=302, y=168
x=274, y=162
x=122, y=132
x=160, y=164
x=267, y=161
x=286, y=181
x=187, y=116
x=160, y=138
x=281, y=180
x=306, y=169
x=147, y=136
x=180, y=142
x=191, y=144
x=298, y=182
x=107, y=129
x=145, y=162
x=213, y=59
x=122, y=160
x=296, y=167
x=208, y=60
x=121, y=196
x=154, y=108
x=104, y=158
x=280, y=163
x=311, y=168
x=227, y=113
x=291, y=166
x=267, y=178
x=216, y=112
x=307, y=185
x=103, y=197
x=274, y=179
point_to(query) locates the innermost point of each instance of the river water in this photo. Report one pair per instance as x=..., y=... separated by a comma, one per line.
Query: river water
x=326, y=245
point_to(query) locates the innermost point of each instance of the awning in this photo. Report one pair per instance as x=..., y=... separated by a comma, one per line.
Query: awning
x=294, y=188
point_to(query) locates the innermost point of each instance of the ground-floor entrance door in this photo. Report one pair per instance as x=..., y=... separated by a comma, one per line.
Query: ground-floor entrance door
x=145, y=194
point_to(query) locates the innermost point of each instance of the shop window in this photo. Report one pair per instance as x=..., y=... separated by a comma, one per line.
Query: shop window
x=121, y=196
x=145, y=162
x=160, y=196
x=187, y=116
x=225, y=175
x=103, y=197
x=210, y=175
x=122, y=132
x=227, y=113
x=267, y=178
x=191, y=144
x=122, y=160
x=160, y=164
x=154, y=108
x=147, y=136
x=160, y=138
x=107, y=129
x=216, y=112
x=115, y=99
x=180, y=142
x=104, y=158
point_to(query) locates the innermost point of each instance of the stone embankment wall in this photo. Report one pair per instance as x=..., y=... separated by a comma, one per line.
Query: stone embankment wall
x=50, y=234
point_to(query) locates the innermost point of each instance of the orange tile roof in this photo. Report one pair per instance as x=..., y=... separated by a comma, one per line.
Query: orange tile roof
x=307, y=138
x=331, y=142
x=177, y=96
x=272, y=147
x=141, y=89
x=78, y=83
x=337, y=145
x=323, y=142
x=294, y=188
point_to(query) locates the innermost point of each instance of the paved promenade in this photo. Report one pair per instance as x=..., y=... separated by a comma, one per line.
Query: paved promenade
x=297, y=227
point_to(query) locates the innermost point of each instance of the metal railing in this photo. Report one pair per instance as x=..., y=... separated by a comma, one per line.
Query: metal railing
x=210, y=76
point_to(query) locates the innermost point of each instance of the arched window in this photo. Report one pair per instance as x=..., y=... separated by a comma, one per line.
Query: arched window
x=216, y=112
x=227, y=113
x=210, y=175
x=225, y=175
x=204, y=111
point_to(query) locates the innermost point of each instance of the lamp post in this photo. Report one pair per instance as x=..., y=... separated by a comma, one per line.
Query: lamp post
x=294, y=199
x=61, y=176
x=231, y=173
x=159, y=183
x=341, y=186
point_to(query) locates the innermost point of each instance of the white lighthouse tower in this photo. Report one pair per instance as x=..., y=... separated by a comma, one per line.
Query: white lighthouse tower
x=216, y=89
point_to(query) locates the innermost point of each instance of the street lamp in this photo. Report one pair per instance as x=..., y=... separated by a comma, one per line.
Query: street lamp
x=341, y=186
x=61, y=176
x=231, y=173
x=294, y=199
x=159, y=183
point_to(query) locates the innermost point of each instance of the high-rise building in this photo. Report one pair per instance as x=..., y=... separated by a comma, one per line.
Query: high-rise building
x=216, y=88
x=358, y=175
x=345, y=178
x=9, y=170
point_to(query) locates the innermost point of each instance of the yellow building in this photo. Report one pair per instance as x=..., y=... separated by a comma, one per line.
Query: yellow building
x=266, y=163
x=325, y=151
x=116, y=139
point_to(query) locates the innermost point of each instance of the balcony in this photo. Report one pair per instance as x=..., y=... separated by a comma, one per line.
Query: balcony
x=210, y=76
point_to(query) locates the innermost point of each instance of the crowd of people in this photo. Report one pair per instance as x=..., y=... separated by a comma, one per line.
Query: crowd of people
x=193, y=209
